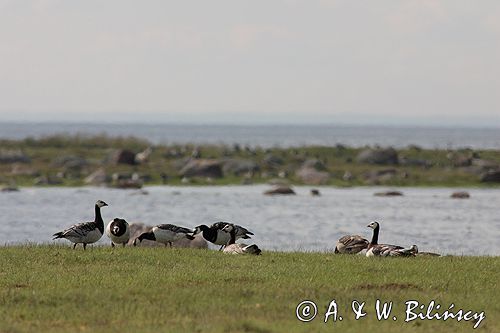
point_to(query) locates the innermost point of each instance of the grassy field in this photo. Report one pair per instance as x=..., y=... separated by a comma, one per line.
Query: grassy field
x=57, y=289
x=44, y=154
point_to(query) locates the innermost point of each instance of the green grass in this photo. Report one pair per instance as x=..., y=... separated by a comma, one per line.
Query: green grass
x=57, y=289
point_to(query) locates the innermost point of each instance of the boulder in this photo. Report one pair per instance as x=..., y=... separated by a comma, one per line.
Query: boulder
x=311, y=176
x=98, y=177
x=388, y=194
x=381, y=156
x=280, y=190
x=492, y=176
x=380, y=176
x=273, y=161
x=238, y=166
x=315, y=192
x=138, y=228
x=122, y=156
x=70, y=162
x=202, y=168
x=13, y=156
x=460, y=195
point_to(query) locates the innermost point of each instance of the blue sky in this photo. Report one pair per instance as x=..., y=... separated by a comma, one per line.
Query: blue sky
x=281, y=61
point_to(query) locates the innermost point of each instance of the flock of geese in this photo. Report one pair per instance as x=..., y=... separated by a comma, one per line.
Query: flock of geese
x=223, y=234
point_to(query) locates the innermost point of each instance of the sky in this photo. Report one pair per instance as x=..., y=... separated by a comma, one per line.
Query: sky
x=412, y=62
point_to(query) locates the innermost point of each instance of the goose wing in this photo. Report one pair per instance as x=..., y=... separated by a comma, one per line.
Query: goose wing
x=78, y=230
x=384, y=250
x=174, y=228
x=351, y=244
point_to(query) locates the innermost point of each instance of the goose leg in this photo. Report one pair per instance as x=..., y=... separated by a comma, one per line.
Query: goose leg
x=112, y=244
x=221, y=247
x=123, y=244
x=84, y=246
x=170, y=243
x=74, y=246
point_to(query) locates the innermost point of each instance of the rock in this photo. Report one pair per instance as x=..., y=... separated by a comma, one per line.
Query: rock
x=314, y=164
x=272, y=161
x=47, y=180
x=202, y=168
x=143, y=156
x=492, y=176
x=138, y=228
x=380, y=176
x=238, y=167
x=405, y=161
x=13, y=156
x=122, y=156
x=9, y=188
x=347, y=176
x=381, y=156
x=278, y=182
x=70, y=162
x=19, y=169
x=280, y=190
x=315, y=192
x=460, y=195
x=98, y=177
x=388, y=194
x=485, y=164
x=460, y=159
x=311, y=176
x=127, y=184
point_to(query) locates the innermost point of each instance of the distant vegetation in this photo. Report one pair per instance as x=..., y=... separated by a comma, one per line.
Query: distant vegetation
x=132, y=162
x=57, y=289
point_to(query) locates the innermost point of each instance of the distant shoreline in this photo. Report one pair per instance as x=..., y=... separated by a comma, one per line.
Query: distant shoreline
x=128, y=162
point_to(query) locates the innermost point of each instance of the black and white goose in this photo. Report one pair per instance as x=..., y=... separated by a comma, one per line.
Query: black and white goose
x=351, y=244
x=118, y=231
x=216, y=235
x=86, y=232
x=240, y=248
x=386, y=250
x=166, y=234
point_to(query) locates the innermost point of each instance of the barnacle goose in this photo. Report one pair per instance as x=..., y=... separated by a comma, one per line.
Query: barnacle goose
x=234, y=248
x=166, y=234
x=386, y=250
x=216, y=235
x=118, y=231
x=86, y=232
x=351, y=244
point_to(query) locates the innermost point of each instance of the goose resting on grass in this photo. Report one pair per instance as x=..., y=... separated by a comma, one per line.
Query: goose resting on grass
x=118, y=231
x=166, y=234
x=386, y=250
x=215, y=233
x=351, y=244
x=86, y=232
x=234, y=248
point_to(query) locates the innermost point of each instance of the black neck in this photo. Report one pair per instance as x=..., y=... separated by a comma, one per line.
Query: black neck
x=375, y=236
x=209, y=234
x=232, y=240
x=98, y=219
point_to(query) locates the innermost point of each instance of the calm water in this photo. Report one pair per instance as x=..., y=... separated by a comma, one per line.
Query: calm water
x=268, y=136
x=426, y=217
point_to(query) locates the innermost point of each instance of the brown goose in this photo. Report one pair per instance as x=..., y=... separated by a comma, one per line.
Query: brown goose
x=387, y=250
x=351, y=244
x=234, y=248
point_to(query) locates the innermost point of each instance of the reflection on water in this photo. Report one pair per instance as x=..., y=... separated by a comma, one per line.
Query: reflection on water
x=426, y=217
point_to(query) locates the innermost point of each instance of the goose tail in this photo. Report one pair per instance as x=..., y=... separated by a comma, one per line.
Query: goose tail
x=57, y=235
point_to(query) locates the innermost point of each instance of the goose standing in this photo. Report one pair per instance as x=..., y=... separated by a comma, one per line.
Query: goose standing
x=86, y=232
x=351, y=244
x=166, y=233
x=234, y=248
x=118, y=231
x=215, y=233
x=386, y=250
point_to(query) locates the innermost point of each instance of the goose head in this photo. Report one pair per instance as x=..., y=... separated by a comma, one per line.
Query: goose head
x=146, y=235
x=228, y=228
x=100, y=203
x=374, y=225
x=200, y=229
